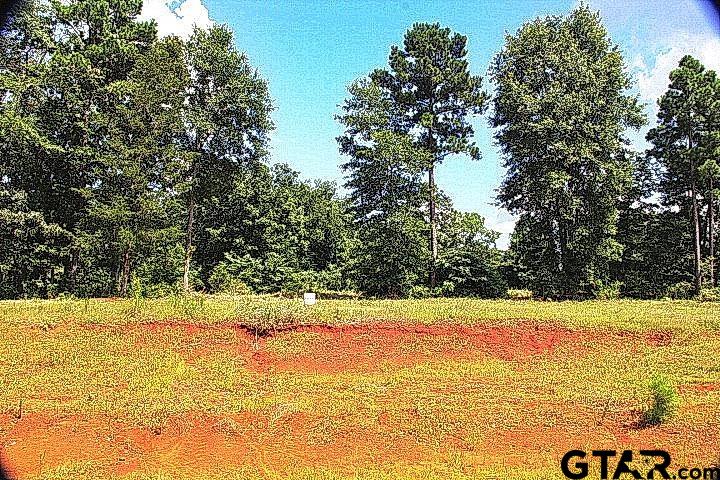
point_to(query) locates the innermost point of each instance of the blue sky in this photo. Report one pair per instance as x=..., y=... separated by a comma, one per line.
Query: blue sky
x=311, y=50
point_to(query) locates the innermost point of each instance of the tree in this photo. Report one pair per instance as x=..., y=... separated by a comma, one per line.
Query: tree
x=431, y=87
x=560, y=111
x=470, y=261
x=683, y=141
x=273, y=231
x=384, y=177
x=65, y=61
x=656, y=242
x=130, y=202
x=227, y=120
x=30, y=249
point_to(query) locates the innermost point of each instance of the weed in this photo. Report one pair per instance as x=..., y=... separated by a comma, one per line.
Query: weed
x=663, y=402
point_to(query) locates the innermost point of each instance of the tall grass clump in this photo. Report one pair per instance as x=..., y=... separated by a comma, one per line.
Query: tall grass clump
x=664, y=401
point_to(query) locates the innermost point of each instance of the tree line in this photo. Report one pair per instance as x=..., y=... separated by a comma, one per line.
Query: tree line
x=137, y=165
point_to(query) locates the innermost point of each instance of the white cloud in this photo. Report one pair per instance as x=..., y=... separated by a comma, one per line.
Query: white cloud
x=176, y=19
x=653, y=80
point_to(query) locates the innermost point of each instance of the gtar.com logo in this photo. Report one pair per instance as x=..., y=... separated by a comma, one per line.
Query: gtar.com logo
x=576, y=464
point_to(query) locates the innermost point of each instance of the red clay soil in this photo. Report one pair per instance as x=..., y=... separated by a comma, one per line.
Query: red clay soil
x=701, y=387
x=207, y=444
x=191, y=444
x=211, y=444
x=367, y=348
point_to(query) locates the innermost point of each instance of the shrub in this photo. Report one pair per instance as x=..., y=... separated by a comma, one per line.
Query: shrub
x=223, y=281
x=264, y=318
x=161, y=290
x=474, y=271
x=519, y=294
x=610, y=291
x=447, y=289
x=709, y=295
x=141, y=288
x=237, y=287
x=420, y=291
x=680, y=291
x=663, y=402
x=299, y=281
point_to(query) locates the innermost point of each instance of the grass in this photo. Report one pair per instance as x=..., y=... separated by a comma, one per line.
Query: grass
x=362, y=405
x=664, y=402
x=636, y=315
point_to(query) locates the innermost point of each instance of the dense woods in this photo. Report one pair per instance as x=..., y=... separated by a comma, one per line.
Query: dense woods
x=137, y=165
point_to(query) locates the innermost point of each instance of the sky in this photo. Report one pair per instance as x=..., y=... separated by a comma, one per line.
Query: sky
x=311, y=50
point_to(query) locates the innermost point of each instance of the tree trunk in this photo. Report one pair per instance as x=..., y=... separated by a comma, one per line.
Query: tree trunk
x=696, y=229
x=73, y=270
x=189, y=231
x=696, y=219
x=188, y=241
x=564, y=282
x=711, y=222
x=125, y=274
x=433, y=227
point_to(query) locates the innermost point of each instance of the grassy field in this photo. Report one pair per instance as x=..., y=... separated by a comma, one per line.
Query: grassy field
x=259, y=387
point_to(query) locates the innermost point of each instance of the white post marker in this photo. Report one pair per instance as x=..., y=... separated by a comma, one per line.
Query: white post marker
x=309, y=298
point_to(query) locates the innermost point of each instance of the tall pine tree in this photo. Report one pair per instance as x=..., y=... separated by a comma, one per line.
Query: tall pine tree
x=685, y=144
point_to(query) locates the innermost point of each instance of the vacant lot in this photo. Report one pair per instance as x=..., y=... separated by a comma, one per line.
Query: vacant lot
x=205, y=387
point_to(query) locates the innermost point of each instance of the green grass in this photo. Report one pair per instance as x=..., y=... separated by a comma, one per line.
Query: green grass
x=93, y=359
x=636, y=315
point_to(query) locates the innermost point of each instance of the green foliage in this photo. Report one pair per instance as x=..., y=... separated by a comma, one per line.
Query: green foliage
x=565, y=155
x=391, y=257
x=133, y=165
x=680, y=291
x=609, y=291
x=657, y=241
x=469, y=259
x=400, y=123
x=329, y=280
x=226, y=122
x=664, y=401
x=684, y=145
x=386, y=194
x=431, y=90
x=420, y=291
x=222, y=281
x=519, y=294
x=271, y=226
x=446, y=289
x=30, y=250
x=709, y=295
